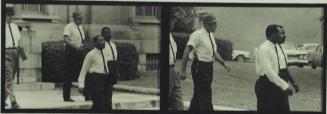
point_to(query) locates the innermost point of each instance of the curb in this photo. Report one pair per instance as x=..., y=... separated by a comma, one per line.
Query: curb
x=217, y=107
x=132, y=89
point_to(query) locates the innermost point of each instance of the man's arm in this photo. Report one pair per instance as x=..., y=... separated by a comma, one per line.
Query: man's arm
x=85, y=68
x=290, y=78
x=69, y=43
x=220, y=60
x=186, y=53
x=265, y=63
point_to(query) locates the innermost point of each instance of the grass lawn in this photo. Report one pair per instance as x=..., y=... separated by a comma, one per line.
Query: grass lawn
x=147, y=79
x=236, y=89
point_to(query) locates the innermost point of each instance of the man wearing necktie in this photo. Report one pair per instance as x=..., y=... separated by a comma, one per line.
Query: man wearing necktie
x=203, y=50
x=175, y=90
x=75, y=40
x=95, y=63
x=111, y=48
x=13, y=37
x=272, y=88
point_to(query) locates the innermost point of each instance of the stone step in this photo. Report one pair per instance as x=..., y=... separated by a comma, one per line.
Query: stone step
x=151, y=103
x=34, y=86
x=52, y=99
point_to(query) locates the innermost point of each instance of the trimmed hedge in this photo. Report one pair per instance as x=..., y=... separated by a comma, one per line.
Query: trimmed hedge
x=224, y=47
x=128, y=59
x=54, y=61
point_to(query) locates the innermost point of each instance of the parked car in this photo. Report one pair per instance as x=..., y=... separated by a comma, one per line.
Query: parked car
x=315, y=57
x=308, y=47
x=295, y=57
x=240, y=56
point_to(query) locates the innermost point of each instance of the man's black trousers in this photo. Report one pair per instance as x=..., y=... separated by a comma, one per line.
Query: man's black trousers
x=101, y=92
x=271, y=98
x=202, y=78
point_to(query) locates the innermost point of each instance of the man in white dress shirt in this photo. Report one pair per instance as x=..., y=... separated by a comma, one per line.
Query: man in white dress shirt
x=75, y=40
x=95, y=63
x=13, y=37
x=175, y=90
x=272, y=88
x=204, y=53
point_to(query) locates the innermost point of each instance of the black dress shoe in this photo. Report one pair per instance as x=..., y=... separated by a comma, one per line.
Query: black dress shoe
x=87, y=98
x=14, y=105
x=69, y=100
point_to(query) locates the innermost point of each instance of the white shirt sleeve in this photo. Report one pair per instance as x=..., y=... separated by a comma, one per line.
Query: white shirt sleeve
x=193, y=40
x=67, y=30
x=265, y=63
x=85, y=68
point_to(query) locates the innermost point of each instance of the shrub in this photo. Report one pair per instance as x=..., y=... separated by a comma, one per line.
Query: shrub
x=224, y=48
x=128, y=59
x=54, y=61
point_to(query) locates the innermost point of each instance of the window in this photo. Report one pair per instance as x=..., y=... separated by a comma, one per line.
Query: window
x=33, y=9
x=146, y=14
x=148, y=11
x=38, y=12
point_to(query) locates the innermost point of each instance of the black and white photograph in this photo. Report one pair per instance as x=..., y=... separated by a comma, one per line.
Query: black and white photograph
x=72, y=56
x=265, y=59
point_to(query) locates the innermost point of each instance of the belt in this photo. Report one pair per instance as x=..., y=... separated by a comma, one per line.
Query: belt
x=98, y=74
x=12, y=48
x=173, y=65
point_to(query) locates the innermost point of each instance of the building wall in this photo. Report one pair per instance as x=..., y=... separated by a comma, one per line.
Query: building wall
x=145, y=36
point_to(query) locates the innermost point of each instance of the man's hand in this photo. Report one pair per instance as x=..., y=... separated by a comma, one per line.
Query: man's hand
x=227, y=67
x=296, y=87
x=289, y=91
x=81, y=90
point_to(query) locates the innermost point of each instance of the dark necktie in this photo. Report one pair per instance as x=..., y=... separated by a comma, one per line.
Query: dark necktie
x=12, y=36
x=112, y=51
x=104, y=62
x=283, y=55
x=213, y=50
x=172, y=49
x=277, y=57
x=80, y=33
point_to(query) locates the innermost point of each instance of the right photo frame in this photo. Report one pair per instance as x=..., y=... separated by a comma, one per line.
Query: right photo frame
x=266, y=59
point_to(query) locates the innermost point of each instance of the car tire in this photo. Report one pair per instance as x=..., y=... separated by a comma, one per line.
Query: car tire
x=313, y=66
x=240, y=58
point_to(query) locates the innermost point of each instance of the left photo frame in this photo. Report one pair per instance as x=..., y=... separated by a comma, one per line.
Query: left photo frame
x=76, y=56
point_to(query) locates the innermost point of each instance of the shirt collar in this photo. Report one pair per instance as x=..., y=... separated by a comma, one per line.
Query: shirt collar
x=204, y=30
x=270, y=43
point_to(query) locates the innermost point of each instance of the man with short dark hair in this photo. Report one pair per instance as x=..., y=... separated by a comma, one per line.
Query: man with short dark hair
x=272, y=88
x=75, y=40
x=111, y=48
x=95, y=63
x=203, y=51
x=12, y=40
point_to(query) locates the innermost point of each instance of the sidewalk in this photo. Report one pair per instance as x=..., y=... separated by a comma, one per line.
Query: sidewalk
x=52, y=99
x=217, y=107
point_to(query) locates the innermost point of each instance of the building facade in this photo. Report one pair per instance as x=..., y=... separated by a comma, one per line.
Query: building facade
x=137, y=25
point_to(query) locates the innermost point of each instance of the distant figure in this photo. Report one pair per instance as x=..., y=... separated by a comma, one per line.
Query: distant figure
x=204, y=49
x=13, y=37
x=272, y=88
x=175, y=90
x=75, y=40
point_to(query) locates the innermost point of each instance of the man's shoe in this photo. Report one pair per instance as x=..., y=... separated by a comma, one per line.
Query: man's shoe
x=87, y=98
x=14, y=105
x=69, y=100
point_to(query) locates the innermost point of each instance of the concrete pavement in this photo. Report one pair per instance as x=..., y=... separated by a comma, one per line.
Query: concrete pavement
x=52, y=99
